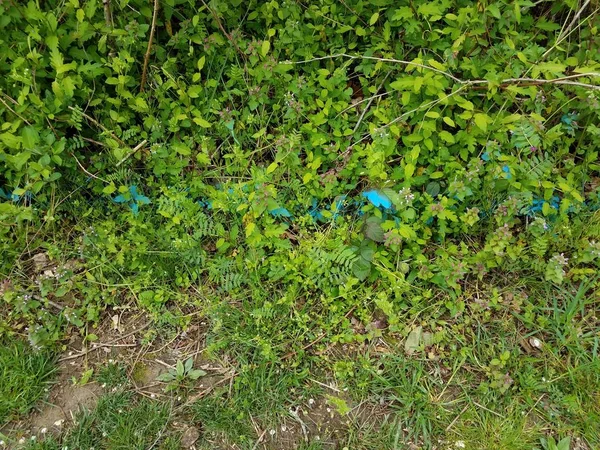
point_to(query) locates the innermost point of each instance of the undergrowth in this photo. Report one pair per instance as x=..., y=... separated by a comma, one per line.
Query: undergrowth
x=318, y=181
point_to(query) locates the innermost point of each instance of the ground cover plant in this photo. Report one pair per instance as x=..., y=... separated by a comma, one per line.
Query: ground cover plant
x=24, y=378
x=397, y=199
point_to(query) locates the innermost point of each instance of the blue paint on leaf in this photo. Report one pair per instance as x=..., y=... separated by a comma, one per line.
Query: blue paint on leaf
x=314, y=211
x=134, y=201
x=280, y=212
x=377, y=198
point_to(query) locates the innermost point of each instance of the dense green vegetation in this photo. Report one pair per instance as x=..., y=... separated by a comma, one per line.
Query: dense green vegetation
x=400, y=196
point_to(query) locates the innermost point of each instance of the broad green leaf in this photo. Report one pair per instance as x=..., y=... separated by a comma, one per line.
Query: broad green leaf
x=20, y=159
x=413, y=341
x=265, y=47
x=374, y=18
x=10, y=140
x=448, y=121
x=202, y=122
x=196, y=373
x=182, y=149
x=272, y=167
x=447, y=137
x=109, y=189
x=201, y=62
x=403, y=13
x=373, y=229
x=481, y=120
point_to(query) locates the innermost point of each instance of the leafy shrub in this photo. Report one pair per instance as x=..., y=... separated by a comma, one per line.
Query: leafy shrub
x=323, y=159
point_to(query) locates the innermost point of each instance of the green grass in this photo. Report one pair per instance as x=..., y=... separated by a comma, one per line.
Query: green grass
x=25, y=377
x=119, y=422
x=113, y=375
x=261, y=392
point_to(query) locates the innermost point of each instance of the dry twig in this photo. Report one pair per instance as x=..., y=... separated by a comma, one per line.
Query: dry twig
x=147, y=56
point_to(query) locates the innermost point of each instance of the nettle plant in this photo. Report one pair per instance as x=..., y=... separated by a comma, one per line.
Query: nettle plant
x=420, y=143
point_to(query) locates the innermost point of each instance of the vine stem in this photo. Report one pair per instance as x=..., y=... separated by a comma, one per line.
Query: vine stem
x=7, y=106
x=99, y=125
x=147, y=55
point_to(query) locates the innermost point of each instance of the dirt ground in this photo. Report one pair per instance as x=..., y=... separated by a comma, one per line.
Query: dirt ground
x=128, y=339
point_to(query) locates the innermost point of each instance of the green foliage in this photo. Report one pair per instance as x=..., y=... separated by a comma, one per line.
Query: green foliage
x=234, y=181
x=183, y=372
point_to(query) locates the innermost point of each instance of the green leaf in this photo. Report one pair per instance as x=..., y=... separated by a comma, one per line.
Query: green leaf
x=265, y=47
x=406, y=232
x=447, y=137
x=20, y=159
x=449, y=122
x=182, y=149
x=202, y=122
x=201, y=62
x=564, y=444
x=367, y=253
x=374, y=18
x=31, y=137
x=373, y=229
x=430, y=9
x=403, y=13
x=166, y=377
x=10, y=140
x=196, y=373
x=195, y=91
x=433, y=188
x=179, y=369
x=413, y=341
x=340, y=405
x=409, y=170
x=481, y=120
x=109, y=189
x=86, y=376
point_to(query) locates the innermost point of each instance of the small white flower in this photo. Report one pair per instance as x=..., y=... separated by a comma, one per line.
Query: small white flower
x=283, y=428
x=59, y=423
x=152, y=395
x=535, y=342
x=459, y=444
x=311, y=401
x=44, y=430
x=272, y=432
x=22, y=440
